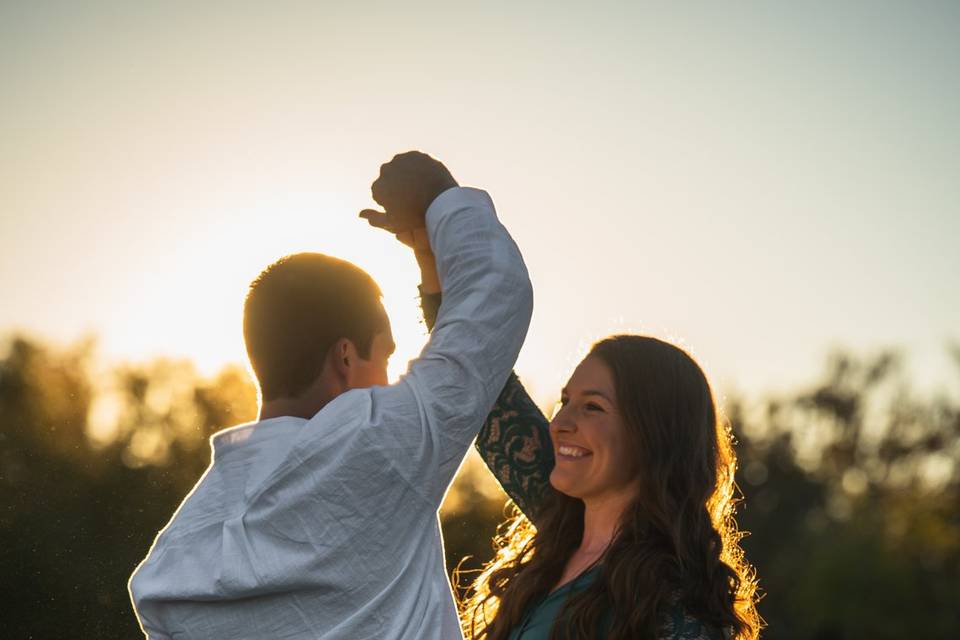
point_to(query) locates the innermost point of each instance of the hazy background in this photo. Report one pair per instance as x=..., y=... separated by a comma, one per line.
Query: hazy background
x=774, y=185
x=762, y=180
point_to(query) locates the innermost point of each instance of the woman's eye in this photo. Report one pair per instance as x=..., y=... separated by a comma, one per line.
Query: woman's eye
x=593, y=406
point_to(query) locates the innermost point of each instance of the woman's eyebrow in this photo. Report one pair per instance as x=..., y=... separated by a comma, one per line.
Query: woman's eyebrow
x=595, y=392
x=589, y=392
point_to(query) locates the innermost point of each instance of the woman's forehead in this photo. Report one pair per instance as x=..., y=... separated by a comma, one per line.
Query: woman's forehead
x=592, y=374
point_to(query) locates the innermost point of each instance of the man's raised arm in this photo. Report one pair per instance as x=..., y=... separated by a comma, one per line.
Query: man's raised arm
x=487, y=303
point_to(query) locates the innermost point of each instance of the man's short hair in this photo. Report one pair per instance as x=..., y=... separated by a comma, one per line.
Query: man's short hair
x=296, y=309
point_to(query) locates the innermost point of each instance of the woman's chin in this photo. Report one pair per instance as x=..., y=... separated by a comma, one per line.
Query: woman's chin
x=564, y=484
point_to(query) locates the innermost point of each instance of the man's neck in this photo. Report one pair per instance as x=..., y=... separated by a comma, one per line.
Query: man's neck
x=293, y=407
x=307, y=404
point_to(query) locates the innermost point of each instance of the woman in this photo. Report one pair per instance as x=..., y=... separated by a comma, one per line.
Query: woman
x=634, y=534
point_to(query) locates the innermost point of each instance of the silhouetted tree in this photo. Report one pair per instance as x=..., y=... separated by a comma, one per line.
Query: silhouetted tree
x=852, y=491
x=852, y=497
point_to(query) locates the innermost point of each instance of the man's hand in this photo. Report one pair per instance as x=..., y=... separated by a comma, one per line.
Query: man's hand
x=406, y=187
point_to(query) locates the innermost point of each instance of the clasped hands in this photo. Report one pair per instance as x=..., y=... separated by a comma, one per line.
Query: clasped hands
x=405, y=188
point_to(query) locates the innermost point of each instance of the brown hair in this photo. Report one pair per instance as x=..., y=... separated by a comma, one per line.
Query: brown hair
x=677, y=544
x=294, y=312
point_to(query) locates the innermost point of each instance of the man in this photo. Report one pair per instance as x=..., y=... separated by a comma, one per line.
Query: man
x=320, y=520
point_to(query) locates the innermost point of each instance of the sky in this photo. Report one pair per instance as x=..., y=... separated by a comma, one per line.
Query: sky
x=761, y=182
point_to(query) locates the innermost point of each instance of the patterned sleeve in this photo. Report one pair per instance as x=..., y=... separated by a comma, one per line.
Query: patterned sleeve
x=680, y=625
x=514, y=441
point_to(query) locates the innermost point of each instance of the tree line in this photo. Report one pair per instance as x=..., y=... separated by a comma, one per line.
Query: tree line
x=851, y=491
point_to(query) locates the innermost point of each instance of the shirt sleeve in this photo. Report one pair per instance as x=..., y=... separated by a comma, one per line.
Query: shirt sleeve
x=678, y=624
x=515, y=439
x=515, y=444
x=425, y=423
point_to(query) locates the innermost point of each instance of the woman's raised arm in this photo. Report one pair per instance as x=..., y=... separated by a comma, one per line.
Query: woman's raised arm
x=515, y=440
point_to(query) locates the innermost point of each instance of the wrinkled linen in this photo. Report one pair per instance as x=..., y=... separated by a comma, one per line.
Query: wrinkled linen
x=328, y=528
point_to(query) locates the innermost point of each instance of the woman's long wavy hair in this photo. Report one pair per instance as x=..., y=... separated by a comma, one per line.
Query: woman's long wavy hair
x=676, y=546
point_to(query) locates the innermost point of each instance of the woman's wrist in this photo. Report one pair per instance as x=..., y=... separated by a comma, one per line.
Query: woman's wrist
x=429, y=278
x=429, y=283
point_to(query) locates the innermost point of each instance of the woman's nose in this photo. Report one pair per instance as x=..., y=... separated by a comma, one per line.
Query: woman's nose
x=561, y=421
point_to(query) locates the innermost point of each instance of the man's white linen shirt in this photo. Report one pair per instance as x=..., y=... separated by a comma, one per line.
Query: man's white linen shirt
x=328, y=528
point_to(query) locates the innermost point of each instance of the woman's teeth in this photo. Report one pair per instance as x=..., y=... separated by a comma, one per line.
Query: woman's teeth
x=572, y=452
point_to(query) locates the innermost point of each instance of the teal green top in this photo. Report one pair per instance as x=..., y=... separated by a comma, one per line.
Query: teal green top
x=539, y=618
x=515, y=444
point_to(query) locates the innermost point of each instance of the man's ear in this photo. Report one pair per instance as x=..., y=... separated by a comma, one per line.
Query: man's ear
x=342, y=358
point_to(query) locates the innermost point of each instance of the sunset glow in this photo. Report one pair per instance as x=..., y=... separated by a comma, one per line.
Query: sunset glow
x=694, y=175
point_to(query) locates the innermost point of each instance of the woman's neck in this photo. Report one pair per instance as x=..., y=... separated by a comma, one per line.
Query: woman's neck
x=601, y=518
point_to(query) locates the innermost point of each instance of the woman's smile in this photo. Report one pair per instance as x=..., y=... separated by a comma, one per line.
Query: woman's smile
x=571, y=452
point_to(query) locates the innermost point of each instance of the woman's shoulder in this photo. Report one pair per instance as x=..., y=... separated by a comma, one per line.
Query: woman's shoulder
x=678, y=624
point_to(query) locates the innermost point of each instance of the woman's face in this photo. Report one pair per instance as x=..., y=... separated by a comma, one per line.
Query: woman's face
x=589, y=437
